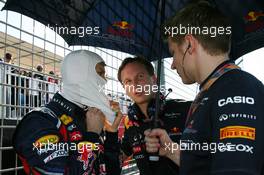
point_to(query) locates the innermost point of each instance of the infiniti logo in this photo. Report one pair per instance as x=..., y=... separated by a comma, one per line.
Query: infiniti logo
x=224, y=117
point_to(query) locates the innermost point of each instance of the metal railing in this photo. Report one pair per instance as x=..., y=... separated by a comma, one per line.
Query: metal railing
x=20, y=91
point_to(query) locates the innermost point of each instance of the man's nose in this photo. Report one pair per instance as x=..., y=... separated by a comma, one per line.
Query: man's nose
x=132, y=86
x=135, y=84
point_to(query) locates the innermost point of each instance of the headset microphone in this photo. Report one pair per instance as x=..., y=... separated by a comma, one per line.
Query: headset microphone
x=170, y=91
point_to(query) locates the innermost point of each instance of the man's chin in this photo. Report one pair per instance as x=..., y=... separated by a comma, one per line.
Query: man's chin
x=142, y=99
x=187, y=81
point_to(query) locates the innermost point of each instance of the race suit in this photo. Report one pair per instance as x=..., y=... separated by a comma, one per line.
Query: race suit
x=53, y=140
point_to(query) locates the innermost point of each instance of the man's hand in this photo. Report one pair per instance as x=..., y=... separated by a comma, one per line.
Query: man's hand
x=114, y=127
x=94, y=120
x=157, y=140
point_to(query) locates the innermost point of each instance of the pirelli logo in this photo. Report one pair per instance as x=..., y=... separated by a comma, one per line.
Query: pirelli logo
x=238, y=132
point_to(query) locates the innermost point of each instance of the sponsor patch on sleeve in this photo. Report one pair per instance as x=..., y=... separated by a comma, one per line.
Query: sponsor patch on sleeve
x=66, y=119
x=127, y=123
x=46, y=140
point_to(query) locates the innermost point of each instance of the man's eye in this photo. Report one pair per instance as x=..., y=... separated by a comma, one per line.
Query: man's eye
x=141, y=76
x=127, y=82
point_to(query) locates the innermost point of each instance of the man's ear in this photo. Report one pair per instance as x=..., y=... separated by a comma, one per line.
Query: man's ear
x=191, y=43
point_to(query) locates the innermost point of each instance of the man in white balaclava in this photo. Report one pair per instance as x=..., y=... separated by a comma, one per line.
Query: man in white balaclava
x=82, y=84
x=64, y=136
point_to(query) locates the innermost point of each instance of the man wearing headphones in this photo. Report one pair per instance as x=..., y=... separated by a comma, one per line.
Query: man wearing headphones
x=224, y=127
x=138, y=78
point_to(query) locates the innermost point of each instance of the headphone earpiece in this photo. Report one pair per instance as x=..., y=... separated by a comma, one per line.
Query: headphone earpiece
x=189, y=46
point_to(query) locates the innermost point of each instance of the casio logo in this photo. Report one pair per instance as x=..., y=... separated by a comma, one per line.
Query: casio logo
x=236, y=99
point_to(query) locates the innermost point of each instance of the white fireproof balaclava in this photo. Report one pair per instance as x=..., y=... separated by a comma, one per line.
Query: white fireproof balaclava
x=81, y=84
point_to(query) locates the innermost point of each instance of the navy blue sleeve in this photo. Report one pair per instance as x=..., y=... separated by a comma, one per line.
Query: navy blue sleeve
x=174, y=118
x=111, y=153
x=237, y=129
x=125, y=145
x=57, y=157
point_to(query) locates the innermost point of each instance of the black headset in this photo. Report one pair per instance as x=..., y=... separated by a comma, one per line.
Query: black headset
x=189, y=46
